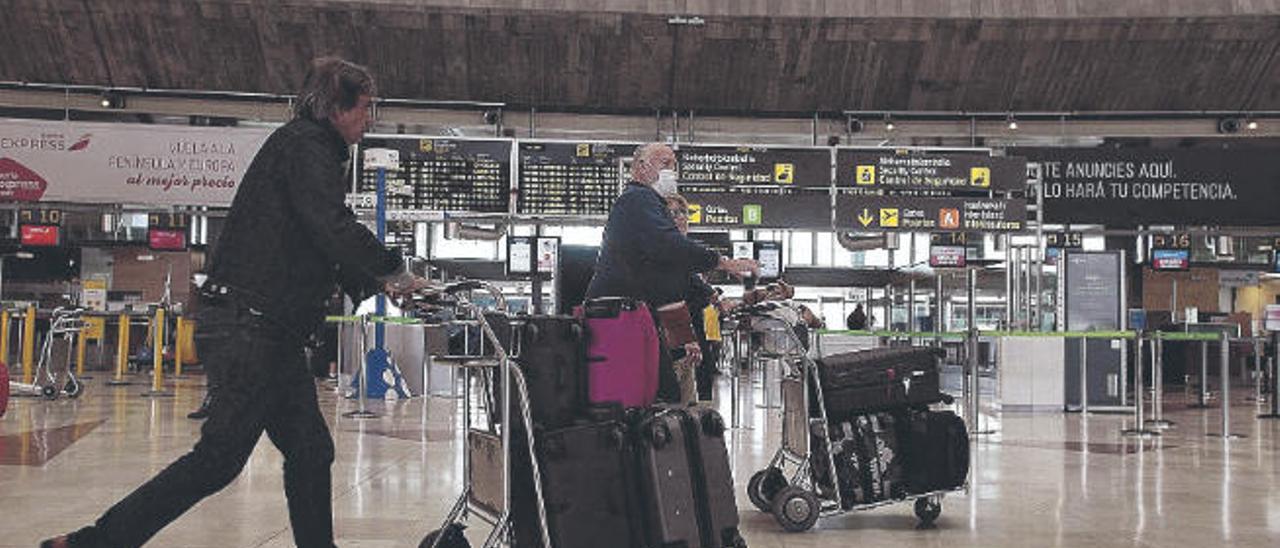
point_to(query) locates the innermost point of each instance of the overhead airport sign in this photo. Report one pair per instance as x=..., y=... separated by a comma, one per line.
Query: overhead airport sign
x=756, y=186
x=1130, y=187
x=916, y=174
x=931, y=214
x=880, y=189
x=160, y=165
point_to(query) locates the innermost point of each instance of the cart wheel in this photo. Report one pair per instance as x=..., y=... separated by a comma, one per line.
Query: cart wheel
x=49, y=391
x=764, y=486
x=73, y=388
x=928, y=509
x=796, y=509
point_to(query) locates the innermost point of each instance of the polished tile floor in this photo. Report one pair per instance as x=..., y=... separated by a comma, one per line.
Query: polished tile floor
x=1041, y=480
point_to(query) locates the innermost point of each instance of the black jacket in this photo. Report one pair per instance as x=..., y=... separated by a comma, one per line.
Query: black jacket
x=290, y=238
x=643, y=255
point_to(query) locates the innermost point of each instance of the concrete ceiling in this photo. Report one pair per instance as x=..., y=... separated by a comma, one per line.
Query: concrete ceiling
x=594, y=60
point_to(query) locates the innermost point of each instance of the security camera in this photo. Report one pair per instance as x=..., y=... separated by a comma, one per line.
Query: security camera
x=492, y=117
x=1229, y=125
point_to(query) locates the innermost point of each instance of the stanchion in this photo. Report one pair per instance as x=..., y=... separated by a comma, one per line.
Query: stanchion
x=4, y=337
x=29, y=345
x=1157, y=420
x=157, y=360
x=1084, y=375
x=362, y=392
x=975, y=415
x=1273, y=400
x=1225, y=355
x=81, y=345
x=178, y=329
x=1256, y=396
x=122, y=353
x=735, y=377
x=1202, y=395
x=1139, y=428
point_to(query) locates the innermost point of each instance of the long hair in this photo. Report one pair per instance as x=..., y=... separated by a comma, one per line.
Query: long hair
x=332, y=85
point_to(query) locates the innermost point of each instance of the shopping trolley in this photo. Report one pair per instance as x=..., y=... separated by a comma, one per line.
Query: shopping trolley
x=487, y=453
x=801, y=482
x=59, y=346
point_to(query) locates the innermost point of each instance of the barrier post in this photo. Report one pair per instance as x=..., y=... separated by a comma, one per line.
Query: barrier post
x=4, y=337
x=29, y=345
x=1273, y=400
x=1157, y=379
x=80, y=352
x=1225, y=357
x=157, y=358
x=362, y=394
x=1202, y=397
x=1139, y=428
x=178, y=329
x=975, y=414
x=122, y=352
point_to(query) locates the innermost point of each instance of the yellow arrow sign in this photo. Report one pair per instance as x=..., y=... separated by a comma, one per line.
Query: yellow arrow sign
x=865, y=218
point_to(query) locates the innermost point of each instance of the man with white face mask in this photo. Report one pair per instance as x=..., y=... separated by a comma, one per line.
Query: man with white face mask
x=644, y=256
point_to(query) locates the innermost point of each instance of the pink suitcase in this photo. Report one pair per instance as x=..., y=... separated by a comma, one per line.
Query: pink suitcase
x=622, y=351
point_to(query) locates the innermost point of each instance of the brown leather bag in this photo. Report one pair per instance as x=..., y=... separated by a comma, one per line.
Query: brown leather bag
x=676, y=324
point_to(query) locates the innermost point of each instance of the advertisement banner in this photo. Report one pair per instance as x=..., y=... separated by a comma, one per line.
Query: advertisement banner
x=160, y=165
x=1130, y=187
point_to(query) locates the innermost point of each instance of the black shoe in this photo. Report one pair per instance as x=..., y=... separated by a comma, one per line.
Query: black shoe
x=199, y=414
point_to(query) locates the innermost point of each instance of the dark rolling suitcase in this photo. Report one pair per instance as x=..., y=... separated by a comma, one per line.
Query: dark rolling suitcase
x=880, y=459
x=589, y=486
x=686, y=486
x=937, y=451
x=879, y=379
x=552, y=356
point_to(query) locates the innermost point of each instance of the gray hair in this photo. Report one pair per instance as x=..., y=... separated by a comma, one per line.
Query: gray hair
x=332, y=85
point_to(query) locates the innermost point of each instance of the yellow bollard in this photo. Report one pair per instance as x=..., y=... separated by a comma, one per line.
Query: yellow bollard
x=157, y=352
x=178, y=328
x=4, y=337
x=80, y=347
x=122, y=351
x=29, y=345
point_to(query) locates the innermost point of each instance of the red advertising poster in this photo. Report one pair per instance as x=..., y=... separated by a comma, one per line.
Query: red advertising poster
x=18, y=183
x=161, y=239
x=40, y=235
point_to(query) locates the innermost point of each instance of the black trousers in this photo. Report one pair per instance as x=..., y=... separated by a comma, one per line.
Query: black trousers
x=264, y=386
x=707, y=369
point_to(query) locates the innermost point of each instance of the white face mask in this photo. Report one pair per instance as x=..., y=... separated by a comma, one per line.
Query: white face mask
x=666, y=183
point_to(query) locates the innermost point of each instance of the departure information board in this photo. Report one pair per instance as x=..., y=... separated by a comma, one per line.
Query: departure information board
x=568, y=178
x=402, y=234
x=445, y=175
x=910, y=190
x=756, y=186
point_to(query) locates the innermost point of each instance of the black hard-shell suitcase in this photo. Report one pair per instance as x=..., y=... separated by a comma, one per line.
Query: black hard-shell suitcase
x=879, y=379
x=552, y=356
x=589, y=486
x=686, y=486
x=937, y=451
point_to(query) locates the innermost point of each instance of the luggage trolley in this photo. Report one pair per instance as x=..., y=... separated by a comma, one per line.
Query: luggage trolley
x=809, y=493
x=59, y=344
x=492, y=455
